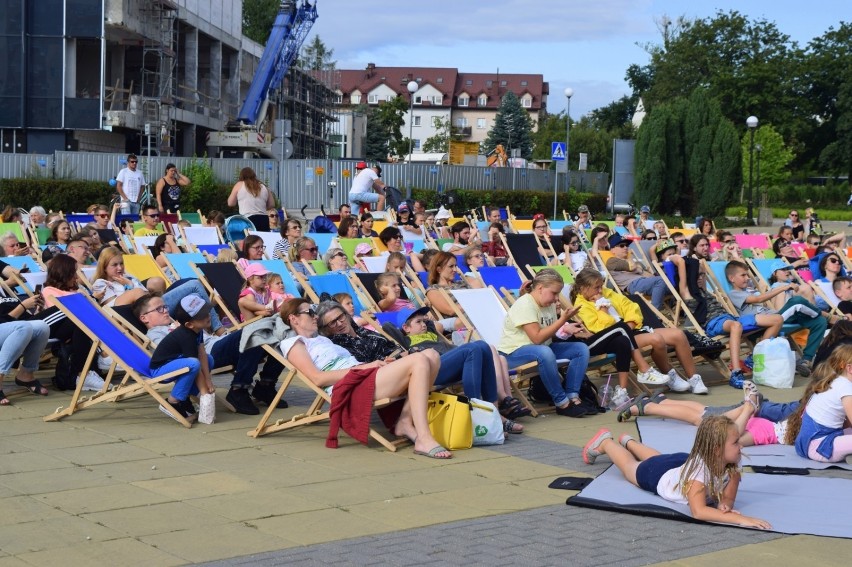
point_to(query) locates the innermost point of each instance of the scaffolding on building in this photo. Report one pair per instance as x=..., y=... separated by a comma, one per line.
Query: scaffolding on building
x=159, y=73
x=307, y=101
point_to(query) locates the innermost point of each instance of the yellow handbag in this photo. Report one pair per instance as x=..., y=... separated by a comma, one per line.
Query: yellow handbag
x=450, y=421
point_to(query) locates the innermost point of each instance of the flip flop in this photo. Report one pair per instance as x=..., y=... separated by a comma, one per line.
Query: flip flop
x=34, y=386
x=433, y=452
x=509, y=427
x=4, y=401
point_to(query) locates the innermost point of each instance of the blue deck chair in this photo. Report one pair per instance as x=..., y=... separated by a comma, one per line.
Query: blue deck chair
x=211, y=249
x=19, y=262
x=280, y=267
x=105, y=334
x=331, y=284
x=501, y=277
x=322, y=239
x=180, y=263
x=557, y=225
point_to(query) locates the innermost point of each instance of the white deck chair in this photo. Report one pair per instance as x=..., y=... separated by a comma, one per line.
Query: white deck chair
x=142, y=243
x=270, y=239
x=201, y=235
x=375, y=264
x=827, y=292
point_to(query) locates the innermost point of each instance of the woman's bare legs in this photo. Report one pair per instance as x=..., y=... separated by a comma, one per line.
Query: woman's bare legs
x=501, y=368
x=415, y=374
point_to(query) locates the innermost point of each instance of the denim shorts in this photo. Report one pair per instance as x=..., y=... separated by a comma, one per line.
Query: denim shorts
x=650, y=471
x=369, y=197
x=715, y=326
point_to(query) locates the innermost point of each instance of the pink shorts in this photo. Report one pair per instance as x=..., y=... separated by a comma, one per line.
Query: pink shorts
x=762, y=431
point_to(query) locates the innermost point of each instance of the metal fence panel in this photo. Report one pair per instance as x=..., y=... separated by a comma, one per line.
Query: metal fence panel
x=25, y=165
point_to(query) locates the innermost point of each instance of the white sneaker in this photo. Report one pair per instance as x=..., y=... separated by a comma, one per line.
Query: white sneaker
x=620, y=399
x=676, y=383
x=697, y=385
x=93, y=382
x=104, y=362
x=653, y=377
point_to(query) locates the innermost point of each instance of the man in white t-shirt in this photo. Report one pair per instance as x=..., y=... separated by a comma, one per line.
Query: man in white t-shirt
x=129, y=183
x=366, y=181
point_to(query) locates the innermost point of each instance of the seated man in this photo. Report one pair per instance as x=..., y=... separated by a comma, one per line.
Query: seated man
x=221, y=350
x=461, y=238
x=797, y=311
x=366, y=181
x=151, y=218
x=630, y=276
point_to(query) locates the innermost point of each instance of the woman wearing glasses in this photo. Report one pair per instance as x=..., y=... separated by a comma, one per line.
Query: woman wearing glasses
x=391, y=237
x=796, y=224
x=252, y=250
x=290, y=232
x=542, y=233
x=338, y=263
x=783, y=248
x=332, y=367
x=304, y=250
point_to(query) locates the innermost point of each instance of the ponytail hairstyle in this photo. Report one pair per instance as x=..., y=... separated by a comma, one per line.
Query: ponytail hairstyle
x=707, y=451
x=587, y=277
x=545, y=277
x=821, y=380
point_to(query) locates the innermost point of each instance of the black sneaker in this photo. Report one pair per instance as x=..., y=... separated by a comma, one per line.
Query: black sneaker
x=180, y=408
x=573, y=410
x=265, y=392
x=240, y=399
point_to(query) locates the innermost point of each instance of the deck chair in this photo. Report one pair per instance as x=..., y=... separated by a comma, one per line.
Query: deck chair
x=270, y=239
x=180, y=263
x=124, y=351
x=194, y=217
x=508, y=279
x=348, y=245
x=143, y=267
x=224, y=283
x=316, y=412
x=280, y=267
x=14, y=228
x=375, y=264
x=315, y=286
x=141, y=244
x=522, y=250
x=322, y=239
x=318, y=267
x=195, y=236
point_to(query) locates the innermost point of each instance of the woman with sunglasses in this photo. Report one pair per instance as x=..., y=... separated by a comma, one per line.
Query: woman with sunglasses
x=304, y=250
x=391, y=237
x=337, y=262
x=290, y=232
x=730, y=249
x=332, y=367
x=573, y=255
x=795, y=223
x=783, y=248
x=274, y=221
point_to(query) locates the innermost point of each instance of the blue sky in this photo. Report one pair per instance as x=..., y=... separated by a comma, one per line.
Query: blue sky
x=586, y=45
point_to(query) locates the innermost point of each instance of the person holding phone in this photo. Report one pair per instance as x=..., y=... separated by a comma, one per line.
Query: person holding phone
x=169, y=187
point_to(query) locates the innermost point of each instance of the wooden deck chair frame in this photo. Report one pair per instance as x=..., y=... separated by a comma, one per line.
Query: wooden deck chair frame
x=316, y=412
x=215, y=296
x=108, y=336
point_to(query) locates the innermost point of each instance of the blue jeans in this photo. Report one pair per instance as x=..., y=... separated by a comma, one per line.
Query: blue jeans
x=775, y=411
x=22, y=338
x=226, y=351
x=653, y=285
x=185, y=383
x=172, y=297
x=546, y=357
x=129, y=207
x=472, y=364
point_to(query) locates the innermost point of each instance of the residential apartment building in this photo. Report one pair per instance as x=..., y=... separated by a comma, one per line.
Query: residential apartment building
x=112, y=75
x=468, y=100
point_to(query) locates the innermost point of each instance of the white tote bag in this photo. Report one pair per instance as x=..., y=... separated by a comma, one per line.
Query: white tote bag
x=487, y=425
x=774, y=363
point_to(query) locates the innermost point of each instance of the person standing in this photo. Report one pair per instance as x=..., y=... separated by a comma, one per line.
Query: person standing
x=168, y=189
x=366, y=181
x=252, y=198
x=129, y=183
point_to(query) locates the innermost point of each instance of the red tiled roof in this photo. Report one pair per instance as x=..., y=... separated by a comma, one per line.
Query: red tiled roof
x=492, y=85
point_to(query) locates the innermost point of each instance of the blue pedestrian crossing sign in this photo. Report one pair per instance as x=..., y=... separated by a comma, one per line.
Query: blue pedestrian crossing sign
x=557, y=151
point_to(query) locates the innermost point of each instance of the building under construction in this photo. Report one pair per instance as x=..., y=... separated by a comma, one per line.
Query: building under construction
x=129, y=75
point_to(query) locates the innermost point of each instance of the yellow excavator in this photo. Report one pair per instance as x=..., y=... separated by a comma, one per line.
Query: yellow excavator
x=497, y=157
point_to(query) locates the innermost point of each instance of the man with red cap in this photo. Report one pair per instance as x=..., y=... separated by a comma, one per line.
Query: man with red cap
x=366, y=181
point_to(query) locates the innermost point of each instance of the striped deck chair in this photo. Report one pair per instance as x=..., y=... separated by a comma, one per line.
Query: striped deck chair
x=124, y=351
x=317, y=411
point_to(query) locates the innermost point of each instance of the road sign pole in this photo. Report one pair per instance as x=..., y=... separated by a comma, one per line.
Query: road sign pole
x=555, y=189
x=557, y=154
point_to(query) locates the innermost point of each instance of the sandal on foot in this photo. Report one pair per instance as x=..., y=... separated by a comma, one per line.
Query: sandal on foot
x=510, y=426
x=4, y=401
x=639, y=402
x=34, y=386
x=512, y=408
x=433, y=452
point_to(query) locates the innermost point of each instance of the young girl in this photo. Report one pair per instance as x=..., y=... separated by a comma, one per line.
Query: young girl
x=112, y=286
x=255, y=298
x=345, y=301
x=782, y=275
x=824, y=434
x=396, y=263
x=226, y=255
x=709, y=473
x=606, y=328
x=390, y=288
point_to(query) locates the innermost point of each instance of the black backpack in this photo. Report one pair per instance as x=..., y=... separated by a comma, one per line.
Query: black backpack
x=64, y=378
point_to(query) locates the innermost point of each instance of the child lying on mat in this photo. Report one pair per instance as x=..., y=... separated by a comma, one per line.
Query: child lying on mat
x=706, y=479
x=759, y=421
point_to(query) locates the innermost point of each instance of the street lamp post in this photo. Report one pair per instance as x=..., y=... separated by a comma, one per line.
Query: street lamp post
x=751, y=122
x=569, y=92
x=412, y=87
x=759, y=149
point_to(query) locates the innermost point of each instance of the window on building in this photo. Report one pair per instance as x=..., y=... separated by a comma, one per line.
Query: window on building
x=464, y=100
x=468, y=82
x=356, y=99
x=502, y=83
x=489, y=84
x=482, y=100
x=439, y=80
x=372, y=99
x=416, y=143
x=526, y=102
x=461, y=122
x=524, y=83
x=337, y=98
x=417, y=120
x=389, y=98
x=480, y=123
x=418, y=99
x=438, y=99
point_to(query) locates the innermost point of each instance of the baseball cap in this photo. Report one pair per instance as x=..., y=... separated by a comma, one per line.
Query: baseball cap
x=255, y=270
x=191, y=307
x=403, y=315
x=616, y=239
x=780, y=265
x=403, y=207
x=582, y=209
x=645, y=209
x=442, y=214
x=664, y=245
x=361, y=165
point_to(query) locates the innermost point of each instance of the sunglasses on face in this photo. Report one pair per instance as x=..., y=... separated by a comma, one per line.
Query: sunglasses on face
x=833, y=261
x=312, y=250
x=154, y=215
x=340, y=255
x=132, y=161
x=624, y=245
x=104, y=216
x=794, y=214
x=309, y=312
x=681, y=241
x=272, y=216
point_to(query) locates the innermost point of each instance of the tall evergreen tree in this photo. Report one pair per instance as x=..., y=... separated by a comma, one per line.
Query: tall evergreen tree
x=316, y=56
x=384, y=130
x=512, y=127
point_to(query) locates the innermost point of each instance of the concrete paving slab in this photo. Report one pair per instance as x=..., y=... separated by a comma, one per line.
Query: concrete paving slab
x=23, y=509
x=195, y=486
x=795, y=550
x=416, y=511
x=319, y=525
x=155, y=519
x=228, y=458
x=116, y=452
x=98, y=499
x=150, y=469
x=62, y=439
x=211, y=542
x=193, y=442
x=31, y=461
x=127, y=552
x=291, y=474
x=39, y=482
x=52, y=533
x=256, y=504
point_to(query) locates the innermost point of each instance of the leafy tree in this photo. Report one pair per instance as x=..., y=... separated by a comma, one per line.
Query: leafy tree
x=258, y=17
x=652, y=158
x=512, y=128
x=317, y=57
x=551, y=128
x=775, y=157
x=384, y=130
x=617, y=117
x=440, y=142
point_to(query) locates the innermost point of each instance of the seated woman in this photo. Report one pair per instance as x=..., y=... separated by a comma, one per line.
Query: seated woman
x=729, y=250
x=304, y=250
x=365, y=229
x=391, y=237
x=348, y=228
x=573, y=254
x=165, y=244
x=783, y=248
x=442, y=272
x=290, y=232
x=338, y=263
x=602, y=308
x=494, y=246
x=471, y=364
x=541, y=230
x=113, y=286
x=252, y=249
x=325, y=364
x=25, y=339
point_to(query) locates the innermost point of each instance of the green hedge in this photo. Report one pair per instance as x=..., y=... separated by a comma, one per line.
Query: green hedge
x=522, y=203
x=73, y=195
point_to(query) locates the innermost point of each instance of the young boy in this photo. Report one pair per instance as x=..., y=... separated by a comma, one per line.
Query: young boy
x=193, y=313
x=796, y=311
